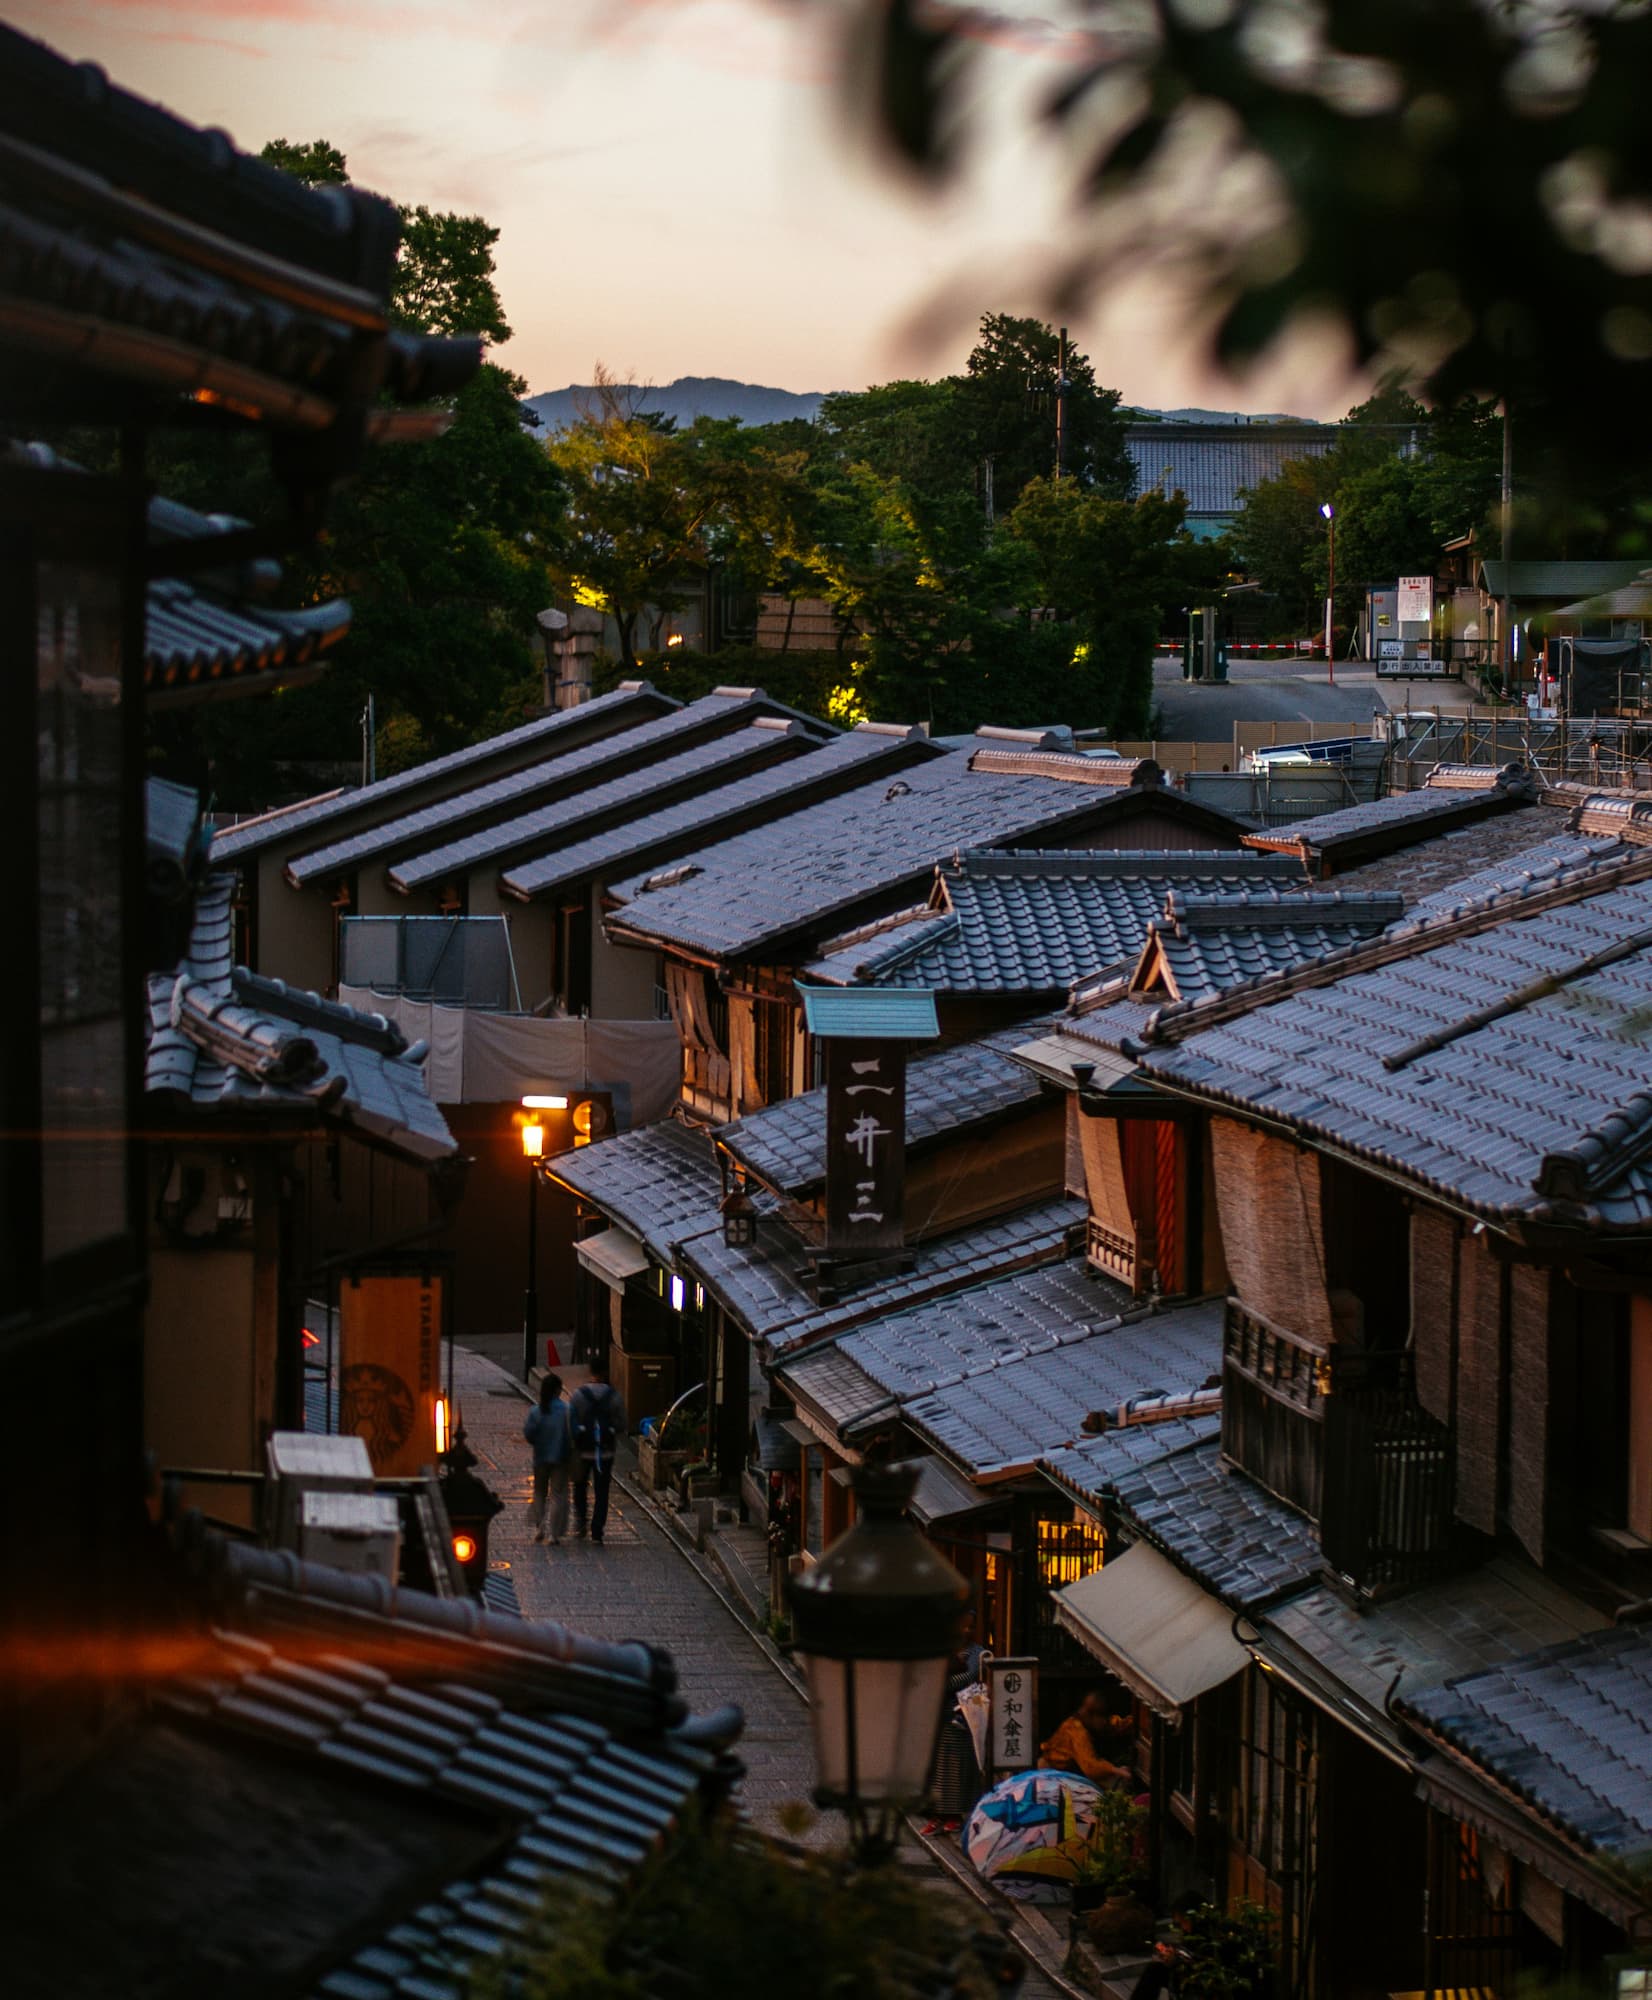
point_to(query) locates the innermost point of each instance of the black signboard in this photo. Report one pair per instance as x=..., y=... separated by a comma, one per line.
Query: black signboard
x=865, y=1146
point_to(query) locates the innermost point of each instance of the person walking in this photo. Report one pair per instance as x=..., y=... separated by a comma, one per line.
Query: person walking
x=550, y=1431
x=597, y=1413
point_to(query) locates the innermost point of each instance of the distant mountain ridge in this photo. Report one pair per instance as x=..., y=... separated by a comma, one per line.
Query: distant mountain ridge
x=692, y=396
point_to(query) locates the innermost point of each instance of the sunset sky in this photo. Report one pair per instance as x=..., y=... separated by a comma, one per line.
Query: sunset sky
x=677, y=189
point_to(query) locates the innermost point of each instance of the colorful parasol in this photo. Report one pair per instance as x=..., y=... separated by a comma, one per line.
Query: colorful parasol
x=1026, y=1835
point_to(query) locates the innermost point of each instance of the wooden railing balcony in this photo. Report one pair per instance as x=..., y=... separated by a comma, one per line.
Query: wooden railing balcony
x=1111, y=1252
x=1387, y=1513
x=1273, y=1390
x=1338, y=1432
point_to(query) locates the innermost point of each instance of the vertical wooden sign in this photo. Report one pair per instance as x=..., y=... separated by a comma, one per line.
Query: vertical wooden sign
x=865, y=1146
x=1012, y=1710
x=389, y=1368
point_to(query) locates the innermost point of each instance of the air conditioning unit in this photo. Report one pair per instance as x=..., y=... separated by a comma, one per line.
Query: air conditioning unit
x=301, y=1462
x=359, y=1532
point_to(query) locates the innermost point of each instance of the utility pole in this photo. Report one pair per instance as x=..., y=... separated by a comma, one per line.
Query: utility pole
x=1061, y=404
x=369, y=744
x=1330, y=514
x=1505, y=614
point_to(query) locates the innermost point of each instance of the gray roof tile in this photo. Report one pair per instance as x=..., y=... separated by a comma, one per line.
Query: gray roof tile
x=1429, y=1635
x=1542, y=1110
x=686, y=825
x=224, y=1040
x=1214, y=464
x=1567, y=1728
x=765, y=1287
x=572, y=725
x=1335, y=840
x=596, y=807
x=566, y=775
x=1212, y=943
x=1014, y=1413
x=972, y=1083
x=790, y=883
x=1244, y=1546
x=661, y=1182
x=925, y=1348
x=1035, y=923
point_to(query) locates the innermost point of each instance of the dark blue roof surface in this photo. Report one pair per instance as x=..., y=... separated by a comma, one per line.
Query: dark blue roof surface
x=570, y=776
x=1488, y=1055
x=798, y=878
x=701, y=765
x=571, y=724
x=971, y=1083
x=1244, y=1546
x=661, y=1182
x=839, y=763
x=1035, y=923
x=1568, y=1728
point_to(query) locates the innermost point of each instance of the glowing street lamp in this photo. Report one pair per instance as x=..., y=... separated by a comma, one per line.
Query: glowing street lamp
x=1331, y=589
x=878, y=1620
x=533, y=1151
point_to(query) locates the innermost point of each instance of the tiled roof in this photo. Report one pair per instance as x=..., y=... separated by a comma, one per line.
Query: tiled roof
x=972, y=1083
x=572, y=726
x=1016, y=1412
x=1335, y=840
x=1428, y=1635
x=786, y=885
x=1035, y=923
x=1244, y=1546
x=1568, y=1729
x=1092, y=1467
x=931, y=1347
x=1500, y=1056
x=689, y=773
x=547, y=795
x=1214, y=464
x=765, y=1286
x=574, y=1749
x=656, y=835
x=227, y=1042
x=1433, y=867
x=1211, y=943
x=148, y=260
x=1560, y=857
x=661, y=1182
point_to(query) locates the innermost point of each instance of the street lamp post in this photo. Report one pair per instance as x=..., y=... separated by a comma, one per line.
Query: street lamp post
x=533, y=1147
x=878, y=1620
x=1331, y=591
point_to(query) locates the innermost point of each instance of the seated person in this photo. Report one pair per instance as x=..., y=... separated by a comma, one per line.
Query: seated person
x=1073, y=1747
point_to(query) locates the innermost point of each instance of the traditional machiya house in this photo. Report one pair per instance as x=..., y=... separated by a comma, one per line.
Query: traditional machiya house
x=987, y=1384
x=1377, y=1618
x=411, y=863
x=720, y=1252
x=734, y=922
x=154, y=277
x=1005, y=933
x=289, y=1138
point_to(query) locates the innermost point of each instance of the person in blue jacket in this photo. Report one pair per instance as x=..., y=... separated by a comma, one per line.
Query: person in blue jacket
x=549, y=1432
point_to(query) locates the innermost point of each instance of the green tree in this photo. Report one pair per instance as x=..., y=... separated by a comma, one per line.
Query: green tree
x=1008, y=400
x=1108, y=569
x=1462, y=185
x=442, y=547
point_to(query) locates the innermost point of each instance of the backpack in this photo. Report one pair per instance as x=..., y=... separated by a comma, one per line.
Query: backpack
x=593, y=1414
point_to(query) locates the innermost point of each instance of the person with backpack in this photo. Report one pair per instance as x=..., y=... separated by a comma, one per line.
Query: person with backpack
x=549, y=1430
x=598, y=1416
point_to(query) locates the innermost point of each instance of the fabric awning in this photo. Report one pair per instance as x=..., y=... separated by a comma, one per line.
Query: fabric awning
x=613, y=1256
x=1164, y=1637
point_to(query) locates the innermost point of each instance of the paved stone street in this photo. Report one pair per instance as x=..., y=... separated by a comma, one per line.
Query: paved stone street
x=640, y=1585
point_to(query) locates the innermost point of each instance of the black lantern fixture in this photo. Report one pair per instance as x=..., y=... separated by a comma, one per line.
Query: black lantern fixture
x=739, y=1213
x=471, y=1505
x=878, y=1620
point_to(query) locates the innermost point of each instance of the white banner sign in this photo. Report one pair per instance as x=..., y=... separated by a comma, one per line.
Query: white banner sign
x=1012, y=1693
x=1416, y=600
